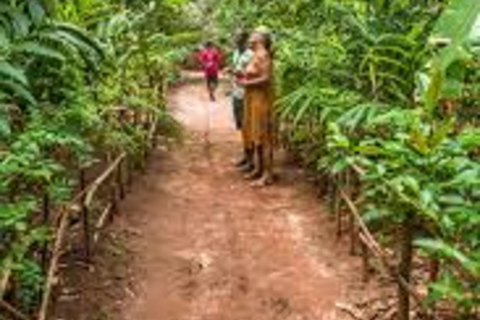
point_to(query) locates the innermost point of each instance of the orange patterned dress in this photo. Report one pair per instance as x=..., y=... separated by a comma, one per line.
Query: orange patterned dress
x=259, y=126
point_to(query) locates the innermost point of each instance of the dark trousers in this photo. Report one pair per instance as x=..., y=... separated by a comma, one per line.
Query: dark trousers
x=238, y=112
x=212, y=82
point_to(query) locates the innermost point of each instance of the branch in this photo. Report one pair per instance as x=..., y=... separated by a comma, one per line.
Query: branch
x=101, y=179
x=14, y=312
x=354, y=313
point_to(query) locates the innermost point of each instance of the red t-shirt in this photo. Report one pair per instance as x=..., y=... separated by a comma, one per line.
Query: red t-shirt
x=210, y=60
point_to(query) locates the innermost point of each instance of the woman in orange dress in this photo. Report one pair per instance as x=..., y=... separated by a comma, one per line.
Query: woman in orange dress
x=258, y=130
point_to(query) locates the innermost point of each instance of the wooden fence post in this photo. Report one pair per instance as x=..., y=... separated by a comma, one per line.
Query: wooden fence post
x=44, y=254
x=113, y=197
x=45, y=220
x=120, y=184
x=145, y=157
x=405, y=266
x=135, y=118
x=366, y=266
x=353, y=234
x=336, y=206
x=85, y=217
x=434, y=266
x=330, y=192
x=352, y=228
x=154, y=137
x=129, y=171
x=12, y=311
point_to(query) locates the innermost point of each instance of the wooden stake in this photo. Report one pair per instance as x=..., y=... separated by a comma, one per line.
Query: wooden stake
x=6, y=277
x=353, y=234
x=56, y=254
x=404, y=269
x=129, y=168
x=11, y=310
x=45, y=219
x=85, y=197
x=336, y=209
x=434, y=269
x=361, y=224
x=351, y=219
x=101, y=222
x=369, y=241
x=120, y=179
x=85, y=217
x=113, y=197
x=101, y=179
x=366, y=264
x=330, y=193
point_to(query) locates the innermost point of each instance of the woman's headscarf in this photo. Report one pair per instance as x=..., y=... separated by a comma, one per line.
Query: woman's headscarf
x=267, y=36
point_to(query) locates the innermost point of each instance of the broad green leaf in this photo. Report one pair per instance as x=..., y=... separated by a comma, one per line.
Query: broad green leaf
x=419, y=141
x=454, y=27
x=339, y=166
x=36, y=11
x=5, y=129
x=370, y=150
x=18, y=90
x=38, y=49
x=440, y=134
x=448, y=251
x=13, y=73
x=20, y=22
x=456, y=24
x=435, y=85
x=4, y=40
x=81, y=38
x=470, y=139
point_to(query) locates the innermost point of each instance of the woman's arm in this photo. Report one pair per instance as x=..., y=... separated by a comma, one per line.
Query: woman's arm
x=264, y=75
x=256, y=82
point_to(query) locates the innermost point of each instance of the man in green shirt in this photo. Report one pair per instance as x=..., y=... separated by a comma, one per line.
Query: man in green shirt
x=241, y=58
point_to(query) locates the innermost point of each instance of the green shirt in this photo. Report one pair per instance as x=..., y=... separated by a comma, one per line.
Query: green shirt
x=240, y=63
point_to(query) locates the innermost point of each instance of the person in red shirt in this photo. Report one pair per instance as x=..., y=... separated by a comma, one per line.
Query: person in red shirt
x=210, y=60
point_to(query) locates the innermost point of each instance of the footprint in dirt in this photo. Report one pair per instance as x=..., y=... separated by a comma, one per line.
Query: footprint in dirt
x=243, y=285
x=188, y=272
x=189, y=289
x=279, y=306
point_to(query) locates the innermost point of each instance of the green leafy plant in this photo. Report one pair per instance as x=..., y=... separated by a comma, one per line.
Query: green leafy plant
x=385, y=86
x=60, y=96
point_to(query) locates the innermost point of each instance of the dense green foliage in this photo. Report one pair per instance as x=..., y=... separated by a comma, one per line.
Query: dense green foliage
x=65, y=68
x=390, y=87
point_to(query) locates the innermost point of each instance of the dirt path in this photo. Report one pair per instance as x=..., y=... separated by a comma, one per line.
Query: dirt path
x=209, y=247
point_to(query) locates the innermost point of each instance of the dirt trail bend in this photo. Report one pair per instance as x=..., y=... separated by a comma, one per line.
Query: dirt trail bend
x=210, y=247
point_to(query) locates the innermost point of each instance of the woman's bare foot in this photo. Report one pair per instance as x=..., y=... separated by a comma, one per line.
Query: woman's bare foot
x=241, y=163
x=254, y=175
x=263, y=181
x=247, y=168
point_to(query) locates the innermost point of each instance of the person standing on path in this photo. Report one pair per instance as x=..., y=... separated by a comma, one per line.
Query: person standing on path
x=210, y=60
x=258, y=124
x=241, y=58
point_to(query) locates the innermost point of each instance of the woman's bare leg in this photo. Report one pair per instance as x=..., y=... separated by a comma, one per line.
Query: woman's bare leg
x=267, y=172
x=258, y=164
x=249, y=164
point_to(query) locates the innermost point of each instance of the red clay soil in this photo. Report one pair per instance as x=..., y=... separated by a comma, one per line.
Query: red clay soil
x=213, y=248
x=204, y=245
